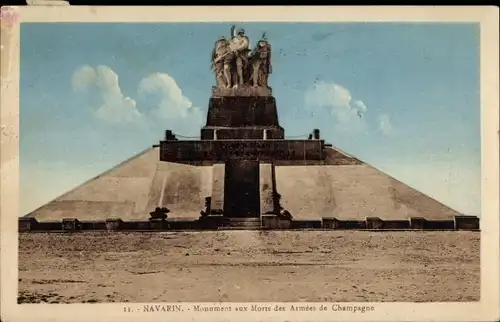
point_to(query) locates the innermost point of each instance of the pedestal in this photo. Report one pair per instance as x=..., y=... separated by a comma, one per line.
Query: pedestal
x=26, y=224
x=241, y=91
x=466, y=223
x=213, y=222
x=417, y=223
x=242, y=138
x=71, y=224
x=374, y=223
x=113, y=224
x=158, y=223
x=330, y=223
x=242, y=117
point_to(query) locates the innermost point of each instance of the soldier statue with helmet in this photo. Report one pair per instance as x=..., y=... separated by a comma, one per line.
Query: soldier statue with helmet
x=234, y=67
x=261, y=62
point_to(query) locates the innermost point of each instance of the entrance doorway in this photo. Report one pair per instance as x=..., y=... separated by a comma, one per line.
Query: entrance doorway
x=241, y=189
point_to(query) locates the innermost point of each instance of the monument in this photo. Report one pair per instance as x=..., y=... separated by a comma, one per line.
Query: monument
x=244, y=172
x=242, y=135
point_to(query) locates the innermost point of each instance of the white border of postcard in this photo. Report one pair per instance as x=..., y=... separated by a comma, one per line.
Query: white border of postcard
x=485, y=310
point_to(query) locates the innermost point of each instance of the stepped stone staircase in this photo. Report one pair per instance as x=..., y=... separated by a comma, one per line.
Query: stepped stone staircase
x=244, y=224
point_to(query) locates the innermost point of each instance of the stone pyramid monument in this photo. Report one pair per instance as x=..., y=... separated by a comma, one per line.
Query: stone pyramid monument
x=243, y=167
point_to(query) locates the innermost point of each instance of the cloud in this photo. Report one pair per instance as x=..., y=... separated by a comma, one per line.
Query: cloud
x=113, y=106
x=385, y=125
x=338, y=101
x=172, y=103
x=360, y=106
x=83, y=77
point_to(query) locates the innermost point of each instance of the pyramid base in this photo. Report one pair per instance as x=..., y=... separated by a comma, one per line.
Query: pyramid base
x=267, y=222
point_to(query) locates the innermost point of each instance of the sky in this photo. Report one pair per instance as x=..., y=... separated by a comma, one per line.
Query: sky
x=95, y=94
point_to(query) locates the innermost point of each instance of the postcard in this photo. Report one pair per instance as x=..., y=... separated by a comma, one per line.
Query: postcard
x=249, y=164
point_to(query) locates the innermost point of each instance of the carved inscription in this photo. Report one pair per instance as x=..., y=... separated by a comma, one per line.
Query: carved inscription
x=221, y=150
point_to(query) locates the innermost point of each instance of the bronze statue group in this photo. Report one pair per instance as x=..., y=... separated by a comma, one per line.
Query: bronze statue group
x=235, y=65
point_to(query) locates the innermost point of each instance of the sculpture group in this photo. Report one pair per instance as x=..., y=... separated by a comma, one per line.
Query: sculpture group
x=235, y=65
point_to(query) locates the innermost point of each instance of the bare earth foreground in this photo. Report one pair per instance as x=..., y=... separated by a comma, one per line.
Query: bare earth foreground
x=242, y=266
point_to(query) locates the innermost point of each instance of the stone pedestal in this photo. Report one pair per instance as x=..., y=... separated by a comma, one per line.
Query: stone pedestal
x=71, y=224
x=158, y=223
x=113, y=224
x=466, y=223
x=26, y=224
x=269, y=221
x=374, y=223
x=284, y=223
x=213, y=222
x=417, y=223
x=242, y=137
x=244, y=91
x=275, y=222
x=329, y=223
x=242, y=117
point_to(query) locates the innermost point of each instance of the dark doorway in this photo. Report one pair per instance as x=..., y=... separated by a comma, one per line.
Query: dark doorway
x=241, y=189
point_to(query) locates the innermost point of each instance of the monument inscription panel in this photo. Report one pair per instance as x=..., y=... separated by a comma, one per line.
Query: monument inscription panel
x=222, y=150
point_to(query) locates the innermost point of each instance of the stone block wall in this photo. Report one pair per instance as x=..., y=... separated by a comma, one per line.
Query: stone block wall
x=266, y=221
x=244, y=133
x=242, y=111
x=223, y=150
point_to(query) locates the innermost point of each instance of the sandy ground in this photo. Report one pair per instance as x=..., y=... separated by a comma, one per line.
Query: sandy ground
x=249, y=266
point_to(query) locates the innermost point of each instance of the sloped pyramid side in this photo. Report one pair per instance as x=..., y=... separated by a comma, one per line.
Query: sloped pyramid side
x=351, y=190
x=132, y=189
x=342, y=187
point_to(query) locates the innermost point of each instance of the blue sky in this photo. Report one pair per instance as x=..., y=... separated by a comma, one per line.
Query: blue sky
x=93, y=95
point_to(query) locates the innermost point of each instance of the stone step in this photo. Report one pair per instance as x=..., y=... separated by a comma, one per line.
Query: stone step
x=245, y=219
x=245, y=224
x=249, y=222
x=240, y=228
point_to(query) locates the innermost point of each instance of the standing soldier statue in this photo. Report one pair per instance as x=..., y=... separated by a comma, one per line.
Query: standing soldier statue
x=231, y=60
x=261, y=62
x=239, y=46
x=221, y=62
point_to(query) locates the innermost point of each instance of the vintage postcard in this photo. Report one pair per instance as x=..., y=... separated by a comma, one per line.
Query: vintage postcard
x=249, y=164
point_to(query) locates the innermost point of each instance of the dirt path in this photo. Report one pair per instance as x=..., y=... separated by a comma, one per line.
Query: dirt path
x=249, y=266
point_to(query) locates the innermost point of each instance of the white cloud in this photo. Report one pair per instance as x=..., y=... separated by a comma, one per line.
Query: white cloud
x=114, y=107
x=172, y=104
x=360, y=106
x=83, y=77
x=385, y=125
x=338, y=101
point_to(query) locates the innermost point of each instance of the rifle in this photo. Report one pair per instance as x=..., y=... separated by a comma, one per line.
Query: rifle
x=218, y=59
